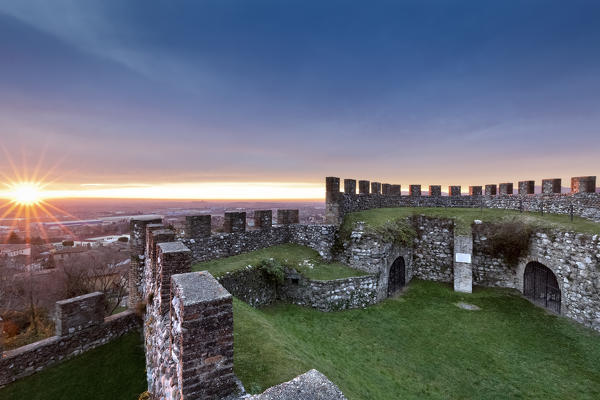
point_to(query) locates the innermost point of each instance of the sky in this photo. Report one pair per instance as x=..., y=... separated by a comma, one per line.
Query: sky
x=236, y=98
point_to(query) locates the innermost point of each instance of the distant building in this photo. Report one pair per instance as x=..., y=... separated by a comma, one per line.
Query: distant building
x=14, y=250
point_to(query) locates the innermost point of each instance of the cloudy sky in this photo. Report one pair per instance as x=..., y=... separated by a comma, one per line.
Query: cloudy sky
x=133, y=94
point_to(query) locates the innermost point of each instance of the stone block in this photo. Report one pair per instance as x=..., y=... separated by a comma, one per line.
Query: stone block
x=375, y=187
x=454, y=191
x=475, y=191
x=363, y=187
x=385, y=189
x=201, y=336
x=583, y=184
x=550, y=186
x=435, y=190
x=505, y=188
x=263, y=219
x=172, y=258
x=235, y=222
x=287, y=217
x=395, y=190
x=414, y=190
x=526, y=187
x=197, y=226
x=79, y=313
x=491, y=190
x=332, y=184
x=350, y=186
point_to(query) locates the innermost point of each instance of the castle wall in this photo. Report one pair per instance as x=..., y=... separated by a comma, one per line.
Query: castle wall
x=582, y=201
x=573, y=257
x=219, y=245
x=78, y=336
x=434, y=249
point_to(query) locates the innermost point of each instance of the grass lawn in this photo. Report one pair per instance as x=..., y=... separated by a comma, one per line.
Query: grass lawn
x=113, y=371
x=464, y=218
x=305, y=260
x=421, y=345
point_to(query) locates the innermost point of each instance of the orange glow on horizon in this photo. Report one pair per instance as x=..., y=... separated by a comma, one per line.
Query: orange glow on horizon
x=26, y=193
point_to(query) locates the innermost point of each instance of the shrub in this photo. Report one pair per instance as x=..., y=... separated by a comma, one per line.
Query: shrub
x=509, y=239
x=273, y=270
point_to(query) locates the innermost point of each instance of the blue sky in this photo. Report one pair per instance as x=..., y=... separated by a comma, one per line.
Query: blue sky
x=431, y=92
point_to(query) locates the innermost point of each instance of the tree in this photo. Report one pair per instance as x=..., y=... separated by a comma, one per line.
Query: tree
x=13, y=238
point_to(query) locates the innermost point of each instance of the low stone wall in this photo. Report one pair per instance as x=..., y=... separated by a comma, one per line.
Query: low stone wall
x=310, y=385
x=253, y=287
x=26, y=360
x=219, y=245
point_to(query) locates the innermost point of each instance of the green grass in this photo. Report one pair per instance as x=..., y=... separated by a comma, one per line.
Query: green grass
x=112, y=371
x=292, y=255
x=421, y=345
x=464, y=218
x=416, y=346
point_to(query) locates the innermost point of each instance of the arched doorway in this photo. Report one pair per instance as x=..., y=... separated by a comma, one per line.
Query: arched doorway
x=397, y=275
x=541, y=287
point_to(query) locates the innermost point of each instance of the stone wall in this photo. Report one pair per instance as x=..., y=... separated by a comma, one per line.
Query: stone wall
x=581, y=202
x=252, y=286
x=310, y=385
x=219, y=245
x=434, y=249
x=26, y=360
x=573, y=257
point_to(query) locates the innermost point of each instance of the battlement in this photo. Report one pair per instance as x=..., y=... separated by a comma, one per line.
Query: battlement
x=582, y=200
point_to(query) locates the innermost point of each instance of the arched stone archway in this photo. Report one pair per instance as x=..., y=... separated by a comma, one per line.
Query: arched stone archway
x=541, y=286
x=397, y=276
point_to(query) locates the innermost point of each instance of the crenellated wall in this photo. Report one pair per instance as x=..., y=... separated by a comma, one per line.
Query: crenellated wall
x=582, y=201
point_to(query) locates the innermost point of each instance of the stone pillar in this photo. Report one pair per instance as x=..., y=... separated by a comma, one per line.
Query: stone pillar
x=414, y=190
x=197, y=226
x=435, y=190
x=235, y=222
x=526, y=187
x=385, y=189
x=491, y=190
x=463, y=270
x=172, y=258
x=453, y=191
x=79, y=313
x=202, y=337
x=550, y=186
x=375, y=187
x=137, y=247
x=333, y=201
x=263, y=219
x=506, y=188
x=583, y=184
x=287, y=217
x=363, y=187
x=154, y=237
x=350, y=186
x=475, y=191
x=395, y=190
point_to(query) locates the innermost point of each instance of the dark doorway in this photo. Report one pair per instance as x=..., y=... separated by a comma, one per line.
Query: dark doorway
x=397, y=275
x=541, y=287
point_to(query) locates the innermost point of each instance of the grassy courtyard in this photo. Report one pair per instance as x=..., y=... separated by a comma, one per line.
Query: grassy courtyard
x=464, y=217
x=419, y=345
x=304, y=259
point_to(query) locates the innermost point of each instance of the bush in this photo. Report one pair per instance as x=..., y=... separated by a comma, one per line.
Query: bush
x=273, y=270
x=509, y=239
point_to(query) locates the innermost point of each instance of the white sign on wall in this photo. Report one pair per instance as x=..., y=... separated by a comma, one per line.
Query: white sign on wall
x=463, y=258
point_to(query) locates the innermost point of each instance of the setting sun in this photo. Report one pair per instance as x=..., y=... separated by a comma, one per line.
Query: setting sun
x=26, y=193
